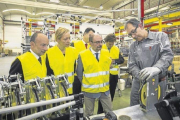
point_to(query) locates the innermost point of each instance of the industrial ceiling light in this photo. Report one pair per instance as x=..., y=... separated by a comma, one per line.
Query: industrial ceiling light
x=45, y=13
x=169, y=23
x=55, y=1
x=132, y=12
x=33, y=13
x=124, y=32
x=101, y=7
x=16, y=10
x=40, y=23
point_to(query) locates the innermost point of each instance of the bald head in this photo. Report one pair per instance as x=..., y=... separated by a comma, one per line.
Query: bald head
x=39, y=43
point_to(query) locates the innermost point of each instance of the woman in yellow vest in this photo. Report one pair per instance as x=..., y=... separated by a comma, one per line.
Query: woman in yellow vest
x=61, y=58
x=117, y=59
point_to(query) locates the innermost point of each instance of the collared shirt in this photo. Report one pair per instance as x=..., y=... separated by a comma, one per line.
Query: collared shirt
x=153, y=51
x=84, y=42
x=34, y=54
x=94, y=53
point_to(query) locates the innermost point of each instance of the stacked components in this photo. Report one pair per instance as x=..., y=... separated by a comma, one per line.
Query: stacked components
x=175, y=45
x=15, y=93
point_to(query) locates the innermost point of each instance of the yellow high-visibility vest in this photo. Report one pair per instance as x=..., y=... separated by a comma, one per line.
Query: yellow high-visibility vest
x=61, y=64
x=31, y=67
x=114, y=53
x=95, y=74
x=79, y=45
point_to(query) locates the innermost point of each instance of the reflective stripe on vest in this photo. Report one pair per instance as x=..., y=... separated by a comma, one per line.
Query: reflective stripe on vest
x=70, y=85
x=114, y=69
x=96, y=74
x=95, y=86
x=70, y=74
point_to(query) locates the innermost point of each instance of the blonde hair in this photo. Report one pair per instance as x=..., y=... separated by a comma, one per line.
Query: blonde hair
x=60, y=32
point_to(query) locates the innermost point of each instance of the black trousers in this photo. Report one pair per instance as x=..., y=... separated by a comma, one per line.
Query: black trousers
x=112, y=87
x=76, y=85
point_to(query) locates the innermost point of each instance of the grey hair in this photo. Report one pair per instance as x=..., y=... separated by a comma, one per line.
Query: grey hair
x=133, y=22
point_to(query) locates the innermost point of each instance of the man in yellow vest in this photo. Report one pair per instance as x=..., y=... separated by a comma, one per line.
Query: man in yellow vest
x=93, y=72
x=81, y=45
x=32, y=64
x=117, y=59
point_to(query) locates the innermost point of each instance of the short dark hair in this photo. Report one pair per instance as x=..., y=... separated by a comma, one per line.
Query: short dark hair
x=91, y=38
x=34, y=36
x=87, y=30
x=133, y=22
x=110, y=38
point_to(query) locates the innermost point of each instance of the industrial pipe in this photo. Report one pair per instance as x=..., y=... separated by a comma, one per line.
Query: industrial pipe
x=45, y=112
x=37, y=104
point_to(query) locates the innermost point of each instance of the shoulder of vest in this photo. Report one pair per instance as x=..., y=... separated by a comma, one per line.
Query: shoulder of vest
x=104, y=50
x=51, y=49
x=24, y=55
x=79, y=42
x=70, y=47
x=104, y=46
x=84, y=51
x=115, y=47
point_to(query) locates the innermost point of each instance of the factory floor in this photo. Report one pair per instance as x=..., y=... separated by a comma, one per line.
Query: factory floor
x=118, y=103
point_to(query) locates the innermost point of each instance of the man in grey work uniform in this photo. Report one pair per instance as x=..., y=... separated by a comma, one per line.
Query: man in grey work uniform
x=149, y=55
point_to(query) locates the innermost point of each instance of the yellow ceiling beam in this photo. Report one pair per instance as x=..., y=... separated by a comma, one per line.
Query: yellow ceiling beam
x=176, y=14
x=156, y=19
x=121, y=28
x=165, y=26
x=172, y=15
x=151, y=20
x=40, y=20
x=117, y=34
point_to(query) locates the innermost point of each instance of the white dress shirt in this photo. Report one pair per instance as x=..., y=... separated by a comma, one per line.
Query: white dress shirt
x=95, y=52
x=37, y=57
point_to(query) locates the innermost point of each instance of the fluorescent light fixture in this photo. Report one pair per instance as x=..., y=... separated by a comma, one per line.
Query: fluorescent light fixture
x=83, y=18
x=40, y=23
x=169, y=23
x=124, y=32
x=164, y=8
x=86, y=6
x=16, y=10
x=55, y=1
x=33, y=13
x=45, y=13
x=101, y=7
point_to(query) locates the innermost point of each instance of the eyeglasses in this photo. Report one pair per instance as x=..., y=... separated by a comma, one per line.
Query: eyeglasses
x=98, y=42
x=133, y=31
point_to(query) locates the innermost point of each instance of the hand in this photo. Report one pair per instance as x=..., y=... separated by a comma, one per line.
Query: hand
x=112, y=63
x=149, y=72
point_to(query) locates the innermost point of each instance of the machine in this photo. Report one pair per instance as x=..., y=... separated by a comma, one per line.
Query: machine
x=150, y=93
x=169, y=108
x=17, y=99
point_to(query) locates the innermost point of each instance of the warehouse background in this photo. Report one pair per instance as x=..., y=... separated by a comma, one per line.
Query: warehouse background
x=112, y=13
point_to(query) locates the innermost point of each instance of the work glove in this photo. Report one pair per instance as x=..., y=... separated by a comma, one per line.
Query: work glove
x=149, y=72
